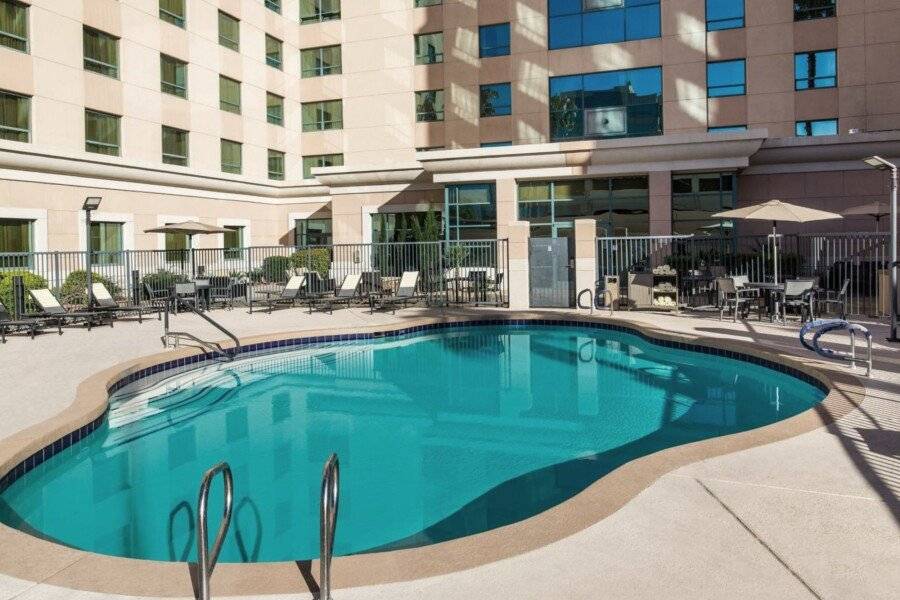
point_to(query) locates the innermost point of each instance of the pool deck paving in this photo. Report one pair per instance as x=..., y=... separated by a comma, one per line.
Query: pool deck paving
x=812, y=516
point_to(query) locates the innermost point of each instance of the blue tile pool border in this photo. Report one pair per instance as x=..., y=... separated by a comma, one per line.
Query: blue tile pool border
x=82, y=432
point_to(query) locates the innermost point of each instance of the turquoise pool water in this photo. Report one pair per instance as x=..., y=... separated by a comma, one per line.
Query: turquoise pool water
x=440, y=435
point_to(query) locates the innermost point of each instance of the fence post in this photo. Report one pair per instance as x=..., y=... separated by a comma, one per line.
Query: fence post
x=56, y=271
x=135, y=287
x=129, y=289
x=18, y=297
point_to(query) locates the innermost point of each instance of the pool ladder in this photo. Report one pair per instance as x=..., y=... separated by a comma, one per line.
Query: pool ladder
x=328, y=513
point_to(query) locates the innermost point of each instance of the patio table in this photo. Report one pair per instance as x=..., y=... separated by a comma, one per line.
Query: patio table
x=773, y=293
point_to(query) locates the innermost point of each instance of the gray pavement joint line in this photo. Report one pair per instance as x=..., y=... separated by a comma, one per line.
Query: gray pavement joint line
x=760, y=540
x=44, y=580
x=780, y=487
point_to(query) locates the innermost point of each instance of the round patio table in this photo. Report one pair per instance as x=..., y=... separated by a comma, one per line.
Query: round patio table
x=773, y=294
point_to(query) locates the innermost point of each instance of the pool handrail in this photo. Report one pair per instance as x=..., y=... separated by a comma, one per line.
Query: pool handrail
x=331, y=475
x=213, y=347
x=206, y=557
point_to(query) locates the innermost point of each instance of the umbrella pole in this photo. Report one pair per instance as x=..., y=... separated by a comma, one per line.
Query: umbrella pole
x=775, y=251
x=191, y=251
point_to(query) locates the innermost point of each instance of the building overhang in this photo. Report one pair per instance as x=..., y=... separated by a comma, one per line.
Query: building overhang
x=372, y=178
x=672, y=152
x=823, y=153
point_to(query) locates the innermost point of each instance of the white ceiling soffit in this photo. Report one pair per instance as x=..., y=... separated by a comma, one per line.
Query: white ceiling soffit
x=851, y=147
x=352, y=176
x=655, y=151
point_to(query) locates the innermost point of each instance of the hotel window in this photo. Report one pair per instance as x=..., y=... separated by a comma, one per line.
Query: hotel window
x=619, y=205
x=724, y=14
x=276, y=165
x=229, y=31
x=727, y=128
x=816, y=127
x=231, y=157
x=495, y=100
x=813, y=9
x=14, y=25
x=274, y=5
x=173, y=76
x=176, y=246
x=106, y=243
x=430, y=106
x=101, y=133
x=470, y=212
x=273, y=52
x=174, y=146
x=101, y=53
x=495, y=144
x=610, y=104
x=588, y=22
x=16, y=236
x=695, y=198
x=321, y=160
x=172, y=11
x=493, y=40
x=313, y=11
x=229, y=94
x=322, y=116
x=404, y=227
x=429, y=48
x=422, y=3
x=815, y=70
x=312, y=232
x=274, y=109
x=233, y=242
x=725, y=78
x=317, y=62
x=15, y=117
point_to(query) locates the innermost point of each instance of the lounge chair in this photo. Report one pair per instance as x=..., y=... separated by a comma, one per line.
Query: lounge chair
x=50, y=307
x=8, y=324
x=406, y=293
x=105, y=302
x=344, y=295
x=288, y=295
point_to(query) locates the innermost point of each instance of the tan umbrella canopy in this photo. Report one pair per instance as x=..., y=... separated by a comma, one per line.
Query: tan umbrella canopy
x=876, y=208
x=776, y=210
x=190, y=229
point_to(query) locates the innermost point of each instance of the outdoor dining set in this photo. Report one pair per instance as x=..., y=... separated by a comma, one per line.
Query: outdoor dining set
x=739, y=296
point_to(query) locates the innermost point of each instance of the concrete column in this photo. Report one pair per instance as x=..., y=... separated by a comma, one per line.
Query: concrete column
x=507, y=206
x=585, y=254
x=660, y=202
x=519, y=297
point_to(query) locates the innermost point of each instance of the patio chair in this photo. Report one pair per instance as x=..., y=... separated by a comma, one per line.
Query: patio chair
x=347, y=293
x=733, y=299
x=105, y=302
x=288, y=295
x=222, y=290
x=406, y=293
x=50, y=307
x=156, y=298
x=826, y=300
x=316, y=287
x=799, y=294
x=30, y=324
x=185, y=294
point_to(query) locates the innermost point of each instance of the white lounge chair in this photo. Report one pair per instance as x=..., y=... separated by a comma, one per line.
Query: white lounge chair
x=344, y=295
x=50, y=307
x=406, y=293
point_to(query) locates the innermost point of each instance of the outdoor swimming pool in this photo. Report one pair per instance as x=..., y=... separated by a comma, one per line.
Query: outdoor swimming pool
x=440, y=435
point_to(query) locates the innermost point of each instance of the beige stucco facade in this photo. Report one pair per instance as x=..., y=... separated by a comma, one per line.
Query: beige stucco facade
x=46, y=179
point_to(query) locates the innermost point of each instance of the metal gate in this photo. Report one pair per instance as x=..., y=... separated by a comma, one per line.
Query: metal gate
x=550, y=273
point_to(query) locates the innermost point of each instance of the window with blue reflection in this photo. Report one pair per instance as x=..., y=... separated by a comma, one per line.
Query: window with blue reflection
x=587, y=22
x=815, y=70
x=724, y=14
x=725, y=78
x=496, y=100
x=609, y=104
x=817, y=127
x=727, y=128
x=493, y=40
x=495, y=144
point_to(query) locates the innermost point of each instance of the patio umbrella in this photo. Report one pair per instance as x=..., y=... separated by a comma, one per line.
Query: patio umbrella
x=776, y=210
x=190, y=229
x=876, y=208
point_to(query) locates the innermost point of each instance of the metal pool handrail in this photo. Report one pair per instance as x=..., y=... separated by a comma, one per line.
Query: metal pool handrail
x=213, y=347
x=331, y=476
x=206, y=558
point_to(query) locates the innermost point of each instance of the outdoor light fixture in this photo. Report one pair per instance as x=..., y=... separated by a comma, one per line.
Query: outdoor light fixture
x=879, y=163
x=90, y=203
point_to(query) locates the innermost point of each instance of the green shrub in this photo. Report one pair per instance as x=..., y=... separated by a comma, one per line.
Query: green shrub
x=74, y=288
x=30, y=280
x=274, y=267
x=162, y=280
x=313, y=259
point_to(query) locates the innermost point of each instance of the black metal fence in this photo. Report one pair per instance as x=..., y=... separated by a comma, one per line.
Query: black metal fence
x=464, y=272
x=861, y=258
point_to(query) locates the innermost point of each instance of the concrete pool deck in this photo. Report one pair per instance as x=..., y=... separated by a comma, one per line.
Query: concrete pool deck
x=811, y=516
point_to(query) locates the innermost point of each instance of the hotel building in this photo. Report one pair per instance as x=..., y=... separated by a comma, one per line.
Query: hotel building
x=343, y=121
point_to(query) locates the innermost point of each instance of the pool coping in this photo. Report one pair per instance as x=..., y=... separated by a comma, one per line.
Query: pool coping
x=34, y=559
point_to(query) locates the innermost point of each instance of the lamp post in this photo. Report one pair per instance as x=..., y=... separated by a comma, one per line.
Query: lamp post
x=882, y=165
x=90, y=203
